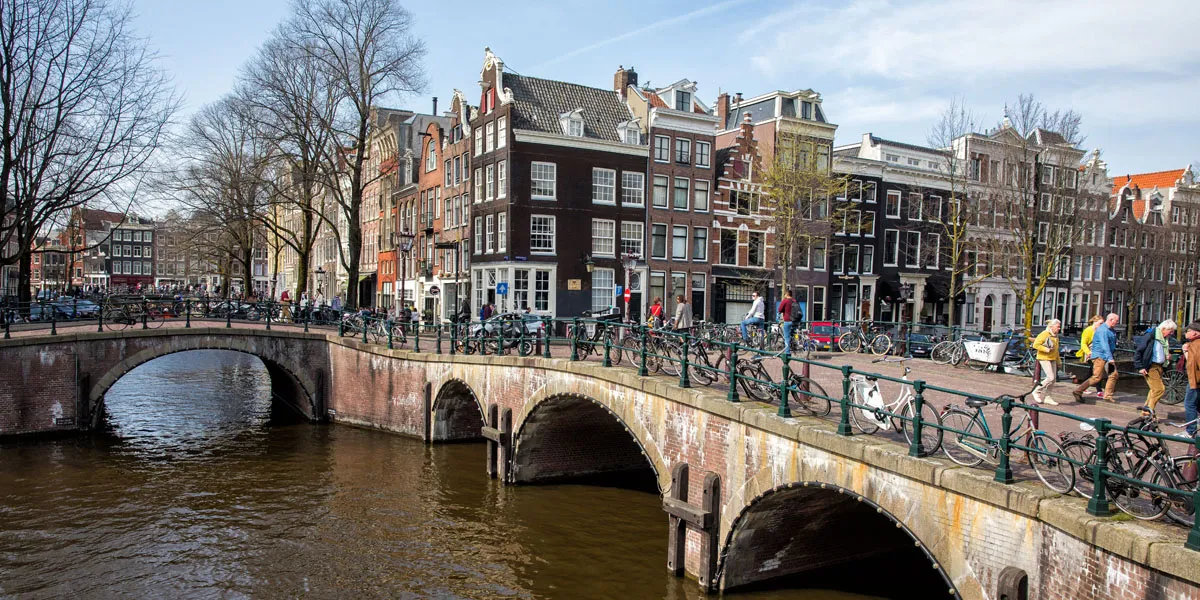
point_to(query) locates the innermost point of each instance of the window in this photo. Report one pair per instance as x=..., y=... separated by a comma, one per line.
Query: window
x=868, y=260
x=867, y=226
x=818, y=304
x=914, y=206
x=603, y=237
x=478, y=235
x=490, y=246
x=660, y=191
x=892, y=206
x=729, y=238
x=912, y=248
x=490, y=183
x=1047, y=175
x=604, y=186
x=502, y=232
x=501, y=132
x=502, y=179
x=449, y=173
x=662, y=148
x=431, y=157
x=818, y=255
x=743, y=202
x=658, y=240
x=851, y=260
x=631, y=135
x=633, y=188
x=758, y=249
x=836, y=265
x=1043, y=232
x=703, y=154
x=1046, y=202
x=700, y=196
x=632, y=233
x=933, y=250
x=933, y=208
x=700, y=244
x=683, y=151
x=681, y=193
x=542, y=185
x=478, y=142
x=683, y=101
x=679, y=242
x=575, y=127
x=520, y=291
x=478, y=185
x=137, y=236
x=466, y=167
x=891, y=247
x=602, y=289
x=541, y=234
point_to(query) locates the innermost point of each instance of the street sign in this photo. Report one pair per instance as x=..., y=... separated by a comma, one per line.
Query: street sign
x=434, y=290
x=618, y=290
x=502, y=289
x=628, y=295
x=574, y=285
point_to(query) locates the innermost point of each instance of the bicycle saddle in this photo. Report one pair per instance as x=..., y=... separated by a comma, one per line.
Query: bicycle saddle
x=976, y=402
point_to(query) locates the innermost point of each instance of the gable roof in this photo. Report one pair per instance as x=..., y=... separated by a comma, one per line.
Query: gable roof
x=1148, y=181
x=537, y=104
x=1046, y=137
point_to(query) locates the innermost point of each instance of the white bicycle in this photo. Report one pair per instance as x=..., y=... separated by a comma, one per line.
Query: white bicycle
x=875, y=414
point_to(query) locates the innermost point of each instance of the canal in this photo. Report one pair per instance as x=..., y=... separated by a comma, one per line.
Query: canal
x=196, y=490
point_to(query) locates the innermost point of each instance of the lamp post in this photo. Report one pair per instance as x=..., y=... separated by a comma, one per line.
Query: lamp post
x=630, y=262
x=404, y=242
x=320, y=279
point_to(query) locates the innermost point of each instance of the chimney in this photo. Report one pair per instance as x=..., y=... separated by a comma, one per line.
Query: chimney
x=621, y=80
x=747, y=126
x=722, y=111
x=435, y=106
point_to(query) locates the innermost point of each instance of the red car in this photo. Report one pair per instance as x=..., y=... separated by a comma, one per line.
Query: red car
x=823, y=333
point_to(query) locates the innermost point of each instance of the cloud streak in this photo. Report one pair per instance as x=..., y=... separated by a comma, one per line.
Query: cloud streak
x=695, y=14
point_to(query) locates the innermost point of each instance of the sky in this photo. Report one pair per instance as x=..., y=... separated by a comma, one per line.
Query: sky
x=1132, y=69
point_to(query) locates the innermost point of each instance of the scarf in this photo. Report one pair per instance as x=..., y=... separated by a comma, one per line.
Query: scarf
x=1162, y=339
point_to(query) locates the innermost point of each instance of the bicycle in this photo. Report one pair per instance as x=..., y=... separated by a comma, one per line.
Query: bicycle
x=949, y=352
x=971, y=443
x=602, y=330
x=872, y=414
x=804, y=393
x=862, y=335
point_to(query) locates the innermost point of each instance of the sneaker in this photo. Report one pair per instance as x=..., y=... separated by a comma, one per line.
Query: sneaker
x=1078, y=396
x=1050, y=401
x=1099, y=393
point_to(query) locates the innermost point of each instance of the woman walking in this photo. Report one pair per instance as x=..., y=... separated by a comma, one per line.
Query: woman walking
x=1046, y=345
x=683, y=315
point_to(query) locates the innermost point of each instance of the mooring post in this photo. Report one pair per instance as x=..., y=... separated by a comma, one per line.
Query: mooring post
x=677, y=527
x=1004, y=472
x=917, y=448
x=709, y=535
x=491, y=434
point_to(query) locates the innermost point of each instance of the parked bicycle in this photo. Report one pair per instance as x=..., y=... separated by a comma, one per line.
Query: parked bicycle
x=873, y=413
x=865, y=335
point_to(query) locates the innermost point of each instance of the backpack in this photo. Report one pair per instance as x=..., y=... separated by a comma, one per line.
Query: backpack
x=797, y=312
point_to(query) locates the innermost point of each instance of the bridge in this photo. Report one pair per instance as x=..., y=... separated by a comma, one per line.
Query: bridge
x=749, y=496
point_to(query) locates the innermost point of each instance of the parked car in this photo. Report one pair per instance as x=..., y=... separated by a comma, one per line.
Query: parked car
x=823, y=333
x=73, y=308
x=920, y=345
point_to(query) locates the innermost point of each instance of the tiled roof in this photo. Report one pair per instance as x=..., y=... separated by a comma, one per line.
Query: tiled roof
x=537, y=104
x=1047, y=137
x=1148, y=181
x=655, y=100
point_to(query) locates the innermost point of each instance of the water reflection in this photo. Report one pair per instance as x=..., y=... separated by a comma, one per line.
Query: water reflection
x=193, y=493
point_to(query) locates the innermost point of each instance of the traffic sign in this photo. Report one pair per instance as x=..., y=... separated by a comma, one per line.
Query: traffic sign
x=502, y=289
x=434, y=290
x=618, y=290
x=628, y=295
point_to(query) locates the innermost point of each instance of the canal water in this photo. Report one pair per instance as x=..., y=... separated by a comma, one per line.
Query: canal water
x=195, y=491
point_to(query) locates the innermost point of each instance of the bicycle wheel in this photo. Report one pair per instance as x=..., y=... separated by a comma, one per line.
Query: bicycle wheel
x=849, y=342
x=963, y=440
x=632, y=348
x=1176, y=384
x=931, y=434
x=757, y=384
x=881, y=344
x=812, y=401
x=942, y=353
x=1182, y=510
x=1133, y=498
x=701, y=371
x=615, y=353
x=977, y=365
x=862, y=418
x=959, y=355
x=1050, y=463
x=116, y=319
x=1082, y=454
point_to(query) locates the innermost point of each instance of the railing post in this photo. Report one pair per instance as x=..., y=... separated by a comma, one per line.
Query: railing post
x=388, y=326
x=1003, y=466
x=7, y=315
x=439, y=337
x=642, y=371
x=917, y=448
x=228, y=314
x=521, y=338
x=575, y=341
x=187, y=309
x=268, y=315
x=546, y=325
x=685, y=380
x=607, y=351
x=417, y=338
x=500, y=349
x=785, y=411
x=844, y=424
x=306, y=316
x=145, y=311
x=1193, y=540
x=341, y=325
x=99, y=319
x=53, y=319
x=1098, y=503
x=731, y=365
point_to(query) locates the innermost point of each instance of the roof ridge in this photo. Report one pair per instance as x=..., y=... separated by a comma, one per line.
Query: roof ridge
x=1151, y=173
x=590, y=87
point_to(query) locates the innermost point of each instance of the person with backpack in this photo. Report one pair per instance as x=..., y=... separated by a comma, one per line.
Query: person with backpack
x=683, y=315
x=792, y=316
x=1151, y=351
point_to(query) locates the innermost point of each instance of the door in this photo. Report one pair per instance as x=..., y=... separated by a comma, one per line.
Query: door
x=988, y=303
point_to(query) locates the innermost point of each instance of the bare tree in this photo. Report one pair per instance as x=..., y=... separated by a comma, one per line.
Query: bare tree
x=367, y=50
x=82, y=108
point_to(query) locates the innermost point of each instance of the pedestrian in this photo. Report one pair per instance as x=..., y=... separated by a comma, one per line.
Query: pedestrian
x=683, y=315
x=656, y=313
x=789, y=310
x=1191, y=353
x=755, y=317
x=1150, y=354
x=1104, y=340
x=337, y=302
x=1046, y=345
x=285, y=297
x=1085, y=345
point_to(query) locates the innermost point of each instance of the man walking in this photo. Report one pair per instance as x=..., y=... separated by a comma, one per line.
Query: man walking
x=1149, y=356
x=788, y=308
x=1104, y=340
x=1191, y=352
x=758, y=311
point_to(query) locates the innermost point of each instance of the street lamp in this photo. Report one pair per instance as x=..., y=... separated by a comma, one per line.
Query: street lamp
x=630, y=262
x=588, y=263
x=320, y=273
x=404, y=242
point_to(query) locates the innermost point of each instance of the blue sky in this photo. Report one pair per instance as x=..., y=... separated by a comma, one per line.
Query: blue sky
x=887, y=67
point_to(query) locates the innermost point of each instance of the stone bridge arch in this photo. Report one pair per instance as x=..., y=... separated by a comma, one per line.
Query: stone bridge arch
x=304, y=388
x=805, y=526
x=457, y=412
x=560, y=433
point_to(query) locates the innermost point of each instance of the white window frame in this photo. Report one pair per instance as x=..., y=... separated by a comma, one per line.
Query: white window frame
x=502, y=232
x=489, y=137
x=598, y=291
x=478, y=141
x=895, y=248
x=604, y=237
x=478, y=184
x=703, y=160
x=502, y=179
x=553, y=235
x=604, y=183
x=501, y=132
x=687, y=243
x=666, y=205
x=899, y=204
x=636, y=231
x=489, y=183
x=478, y=235
x=490, y=236
x=533, y=179
x=696, y=193
x=705, y=245
x=633, y=188
x=687, y=193
x=937, y=249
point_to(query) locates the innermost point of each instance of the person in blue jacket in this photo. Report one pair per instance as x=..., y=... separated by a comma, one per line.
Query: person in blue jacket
x=1104, y=341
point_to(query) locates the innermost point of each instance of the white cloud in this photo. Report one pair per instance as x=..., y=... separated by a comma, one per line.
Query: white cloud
x=942, y=39
x=858, y=106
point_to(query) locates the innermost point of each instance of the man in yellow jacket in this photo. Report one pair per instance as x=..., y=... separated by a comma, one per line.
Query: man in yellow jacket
x=1046, y=345
x=1085, y=345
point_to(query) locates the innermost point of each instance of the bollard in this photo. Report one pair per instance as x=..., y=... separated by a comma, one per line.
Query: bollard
x=416, y=339
x=785, y=411
x=305, y=317
x=575, y=341
x=917, y=448
x=228, y=314
x=1098, y=503
x=53, y=319
x=268, y=315
x=341, y=326
x=685, y=380
x=187, y=309
x=453, y=337
x=439, y=337
x=1003, y=466
x=607, y=351
x=7, y=323
x=99, y=319
x=389, y=333
x=546, y=335
x=1193, y=540
x=844, y=424
x=366, y=323
x=730, y=363
x=500, y=350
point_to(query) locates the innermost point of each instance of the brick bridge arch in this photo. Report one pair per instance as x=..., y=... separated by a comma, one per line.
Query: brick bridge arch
x=457, y=414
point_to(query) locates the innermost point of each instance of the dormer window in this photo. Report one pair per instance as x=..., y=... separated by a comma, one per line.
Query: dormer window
x=431, y=158
x=572, y=122
x=1156, y=202
x=683, y=101
x=629, y=132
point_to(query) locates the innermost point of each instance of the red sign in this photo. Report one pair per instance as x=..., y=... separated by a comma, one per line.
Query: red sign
x=627, y=295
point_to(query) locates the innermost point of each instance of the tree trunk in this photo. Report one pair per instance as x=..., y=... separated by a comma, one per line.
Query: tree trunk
x=25, y=282
x=353, y=251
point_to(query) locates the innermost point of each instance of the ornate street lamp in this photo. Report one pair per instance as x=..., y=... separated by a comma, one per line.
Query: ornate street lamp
x=630, y=262
x=404, y=242
x=588, y=263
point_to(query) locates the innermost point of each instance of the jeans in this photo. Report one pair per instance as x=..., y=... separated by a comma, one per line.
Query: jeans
x=755, y=321
x=788, y=326
x=1189, y=409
